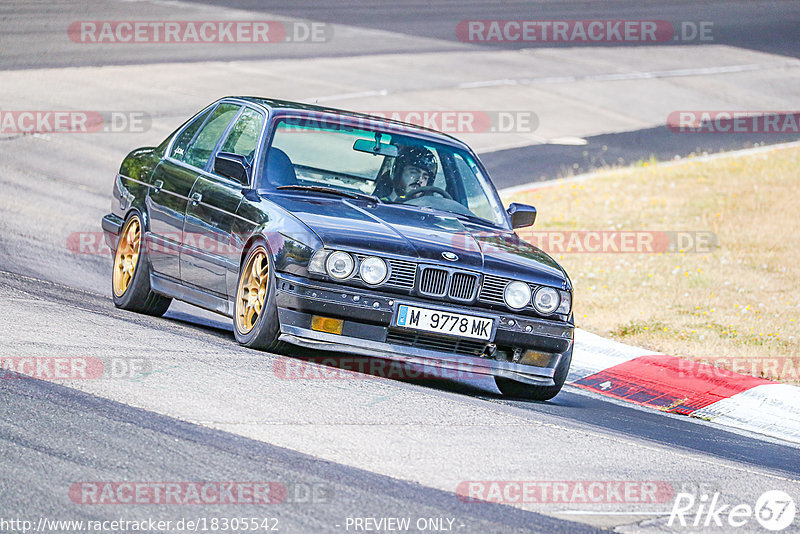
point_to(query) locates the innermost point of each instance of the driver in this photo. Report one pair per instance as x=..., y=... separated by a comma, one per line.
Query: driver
x=414, y=167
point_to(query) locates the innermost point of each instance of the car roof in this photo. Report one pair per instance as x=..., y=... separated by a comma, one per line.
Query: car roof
x=314, y=110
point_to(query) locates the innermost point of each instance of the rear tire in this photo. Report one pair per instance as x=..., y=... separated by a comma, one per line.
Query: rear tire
x=255, y=313
x=521, y=390
x=130, y=277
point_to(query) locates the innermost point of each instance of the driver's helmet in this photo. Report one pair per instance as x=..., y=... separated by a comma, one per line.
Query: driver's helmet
x=414, y=167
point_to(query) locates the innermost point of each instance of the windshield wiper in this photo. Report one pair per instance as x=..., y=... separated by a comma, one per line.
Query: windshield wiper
x=332, y=190
x=474, y=219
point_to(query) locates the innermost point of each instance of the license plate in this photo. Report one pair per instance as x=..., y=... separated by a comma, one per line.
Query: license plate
x=443, y=322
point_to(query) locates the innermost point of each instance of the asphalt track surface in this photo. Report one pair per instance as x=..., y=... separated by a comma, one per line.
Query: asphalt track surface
x=210, y=410
x=51, y=427
x=34, y=38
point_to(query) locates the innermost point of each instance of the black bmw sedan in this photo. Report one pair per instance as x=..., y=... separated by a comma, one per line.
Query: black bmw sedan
x=338, y=231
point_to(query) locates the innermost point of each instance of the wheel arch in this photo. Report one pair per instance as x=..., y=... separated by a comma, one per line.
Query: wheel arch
x=257, y=236
x=141, y=211
x=285, y=250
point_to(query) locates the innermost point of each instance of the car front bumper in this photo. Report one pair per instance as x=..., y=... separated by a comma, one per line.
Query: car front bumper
x=368, y=330
x=112, y=226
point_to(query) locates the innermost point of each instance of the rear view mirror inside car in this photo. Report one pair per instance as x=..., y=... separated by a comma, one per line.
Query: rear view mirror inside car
x=375, y=147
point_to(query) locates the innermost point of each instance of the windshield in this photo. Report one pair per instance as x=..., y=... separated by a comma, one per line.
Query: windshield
x=395, y=168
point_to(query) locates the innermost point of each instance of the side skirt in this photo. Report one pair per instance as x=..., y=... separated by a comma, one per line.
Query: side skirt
x=195, y=297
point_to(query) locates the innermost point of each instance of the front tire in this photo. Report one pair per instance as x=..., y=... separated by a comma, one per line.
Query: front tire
x=130, y=278
x=520, y=390
x=255, y=313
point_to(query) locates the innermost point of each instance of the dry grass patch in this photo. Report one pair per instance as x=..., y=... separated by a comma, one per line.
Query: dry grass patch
x=740, y=301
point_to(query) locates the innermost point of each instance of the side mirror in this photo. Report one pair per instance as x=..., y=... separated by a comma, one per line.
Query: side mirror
x=232, y=166
x=522, y=215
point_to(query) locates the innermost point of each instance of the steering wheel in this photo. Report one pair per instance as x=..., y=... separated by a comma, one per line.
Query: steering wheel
x=418, y=192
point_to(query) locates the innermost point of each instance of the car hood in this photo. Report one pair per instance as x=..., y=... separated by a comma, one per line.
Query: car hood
x=421, y=234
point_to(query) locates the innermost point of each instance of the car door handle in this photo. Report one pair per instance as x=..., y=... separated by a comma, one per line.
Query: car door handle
x=196, y=198
x=157, y=185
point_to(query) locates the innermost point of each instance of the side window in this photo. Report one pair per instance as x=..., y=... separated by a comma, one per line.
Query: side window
x=244, y=135
x=186, y=136
x=477, y=202
x=200, y=149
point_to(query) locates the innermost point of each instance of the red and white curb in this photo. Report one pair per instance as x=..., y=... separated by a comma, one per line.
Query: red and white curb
x=685, y=387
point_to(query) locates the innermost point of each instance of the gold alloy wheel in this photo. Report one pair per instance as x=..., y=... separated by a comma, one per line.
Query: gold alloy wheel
x=252, y=291
x=127, y=255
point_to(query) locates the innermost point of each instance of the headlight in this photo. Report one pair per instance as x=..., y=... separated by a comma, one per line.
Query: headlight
x=517, y=295
x=546, y=300
x=566, y=303
x=373, y=270
x=340, y=265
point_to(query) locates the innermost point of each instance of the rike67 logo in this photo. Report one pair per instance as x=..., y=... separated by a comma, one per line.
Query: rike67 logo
x=775, y=511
